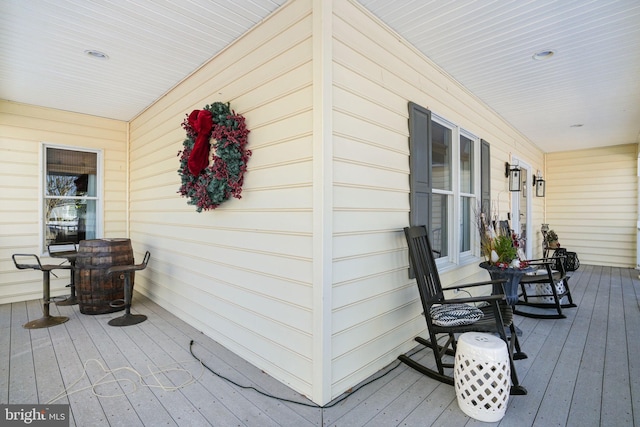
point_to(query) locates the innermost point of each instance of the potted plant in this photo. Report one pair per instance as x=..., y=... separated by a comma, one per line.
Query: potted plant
x=498, y=246
x=551, y=239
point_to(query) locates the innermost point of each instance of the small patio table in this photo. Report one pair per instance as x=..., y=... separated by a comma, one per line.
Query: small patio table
x=512, y=275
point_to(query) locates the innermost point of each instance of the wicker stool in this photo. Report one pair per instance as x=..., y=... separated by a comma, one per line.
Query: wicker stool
x=482, y=376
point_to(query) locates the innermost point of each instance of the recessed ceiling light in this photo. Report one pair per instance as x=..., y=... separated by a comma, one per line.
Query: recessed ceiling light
x=543, y=54
x=96, y=54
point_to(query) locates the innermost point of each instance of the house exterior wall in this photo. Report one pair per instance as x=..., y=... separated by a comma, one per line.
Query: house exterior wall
x=242, y=273
x=592, y=203
x=376, y=308
x=23, y=130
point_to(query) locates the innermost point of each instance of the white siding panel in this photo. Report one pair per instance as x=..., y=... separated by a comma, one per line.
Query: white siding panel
x=372, y=198
x=345, y=122
x=356, y=243
x=351, y=332
x=368, y=153
x=24, y=128
x=592, y=203
x=282, y=152
x=376, y=309
x=242, y=273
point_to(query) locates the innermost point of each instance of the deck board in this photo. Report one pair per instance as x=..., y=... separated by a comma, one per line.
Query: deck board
x=581, y=371
x=86, y=408
x=5, y=350
x=631, y=301
x=95, y=348
x=616, y=405
x=586, y=402
x=22, y=382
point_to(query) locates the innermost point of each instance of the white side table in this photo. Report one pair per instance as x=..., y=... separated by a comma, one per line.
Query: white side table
x=482, y=376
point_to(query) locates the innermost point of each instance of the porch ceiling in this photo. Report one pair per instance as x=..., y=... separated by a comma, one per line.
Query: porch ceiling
x=586, y=95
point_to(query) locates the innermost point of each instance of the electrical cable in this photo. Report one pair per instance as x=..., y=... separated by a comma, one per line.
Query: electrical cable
x=282, y=399
x=153, y=373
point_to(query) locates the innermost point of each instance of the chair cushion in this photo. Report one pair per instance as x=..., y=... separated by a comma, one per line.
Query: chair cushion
x=455, y=314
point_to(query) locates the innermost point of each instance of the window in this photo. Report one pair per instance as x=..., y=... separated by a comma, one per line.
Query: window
x=445, y=182
x=467, y=191
x=441, y=186
x=485, y=178
x=70, y=199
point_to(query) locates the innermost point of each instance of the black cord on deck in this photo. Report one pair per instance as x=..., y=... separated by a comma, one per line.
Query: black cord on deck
x=288, y=400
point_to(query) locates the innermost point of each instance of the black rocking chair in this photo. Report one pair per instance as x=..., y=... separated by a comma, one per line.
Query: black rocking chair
x=552, y=275
x=497, y=315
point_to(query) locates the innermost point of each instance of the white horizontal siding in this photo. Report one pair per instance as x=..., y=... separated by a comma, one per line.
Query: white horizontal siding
x=241, y=273
x=376, y=310
x=592, y=203
x=24, y=128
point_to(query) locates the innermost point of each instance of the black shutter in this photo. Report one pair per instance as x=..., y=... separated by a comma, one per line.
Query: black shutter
x=420, y=165
x=485, y=179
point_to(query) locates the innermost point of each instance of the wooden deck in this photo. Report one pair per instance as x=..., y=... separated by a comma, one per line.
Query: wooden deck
x=582, y=371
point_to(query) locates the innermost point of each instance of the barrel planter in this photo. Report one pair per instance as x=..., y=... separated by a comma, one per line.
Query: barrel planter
x=95, y=290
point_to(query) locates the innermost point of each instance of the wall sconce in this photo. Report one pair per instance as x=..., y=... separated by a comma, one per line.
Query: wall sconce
x=513, y=173
x=539, y=184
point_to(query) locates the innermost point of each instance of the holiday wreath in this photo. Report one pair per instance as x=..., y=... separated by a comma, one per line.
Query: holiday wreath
x=208, y=185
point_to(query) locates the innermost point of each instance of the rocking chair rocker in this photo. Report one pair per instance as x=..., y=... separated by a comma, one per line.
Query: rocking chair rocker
x=496, y=313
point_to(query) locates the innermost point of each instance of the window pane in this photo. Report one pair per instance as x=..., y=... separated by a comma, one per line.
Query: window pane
x=466, y=165
x=71, y=173
x=465, y=223
x=69, y=220
x=70, y=196
x=439, y=226
x=440, y=157
x=485, y=179
x=87, y=220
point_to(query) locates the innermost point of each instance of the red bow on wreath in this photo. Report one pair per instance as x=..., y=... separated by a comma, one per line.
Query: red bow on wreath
x=200, y=122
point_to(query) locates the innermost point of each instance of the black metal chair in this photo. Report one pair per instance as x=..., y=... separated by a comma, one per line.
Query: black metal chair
x=127, y=271
x=497, y=315
x=47, y=319
x=551, y=272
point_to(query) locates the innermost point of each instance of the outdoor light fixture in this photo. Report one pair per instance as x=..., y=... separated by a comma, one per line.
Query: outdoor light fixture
x=513, y=173
x=539, y=184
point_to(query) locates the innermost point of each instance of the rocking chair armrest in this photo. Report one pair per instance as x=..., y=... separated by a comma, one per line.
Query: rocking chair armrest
x=541, y=261
x=547, y=263
x=486, y=298
x=475, y=284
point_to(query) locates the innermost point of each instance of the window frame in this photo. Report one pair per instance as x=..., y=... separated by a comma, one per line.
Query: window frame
x=455, y=255
x=98, y=198
x=419, y=154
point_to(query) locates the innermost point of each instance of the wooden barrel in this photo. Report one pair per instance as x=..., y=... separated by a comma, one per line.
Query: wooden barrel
x=95, y=290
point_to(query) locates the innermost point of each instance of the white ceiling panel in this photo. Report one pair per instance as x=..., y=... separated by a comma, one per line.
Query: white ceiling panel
x=593, y=79
x=152, y=45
